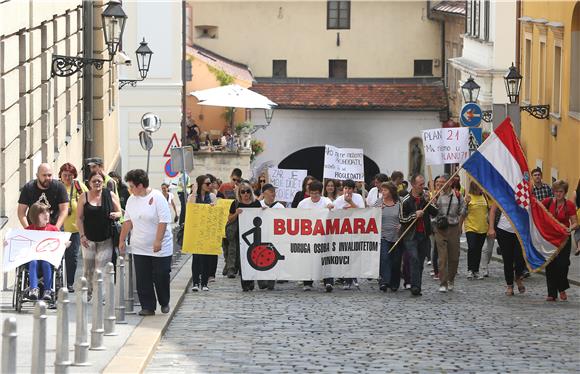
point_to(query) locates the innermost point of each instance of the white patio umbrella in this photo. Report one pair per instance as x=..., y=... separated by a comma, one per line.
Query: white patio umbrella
x=233, y=96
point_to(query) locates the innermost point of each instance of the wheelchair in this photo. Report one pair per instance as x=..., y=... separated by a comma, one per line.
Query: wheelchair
x=22, y=286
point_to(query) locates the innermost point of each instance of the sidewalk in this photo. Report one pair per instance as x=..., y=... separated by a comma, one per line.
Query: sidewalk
x=114, y=344
x=573, y=275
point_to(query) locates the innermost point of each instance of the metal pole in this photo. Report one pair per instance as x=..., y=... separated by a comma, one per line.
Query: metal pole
x=148, y=157
x=88, y=124
x=110, y=300
x=82, y=322
x=97, y=324
x=62, y=362
x=120, y=309
x=129, y=306
x=9, y=346
x=39, y=338
x=5, y=282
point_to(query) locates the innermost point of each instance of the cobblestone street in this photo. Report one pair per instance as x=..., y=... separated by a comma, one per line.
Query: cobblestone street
x=473, y=329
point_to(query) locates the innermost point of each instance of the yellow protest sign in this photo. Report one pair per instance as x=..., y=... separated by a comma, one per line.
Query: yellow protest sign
x=205, y=227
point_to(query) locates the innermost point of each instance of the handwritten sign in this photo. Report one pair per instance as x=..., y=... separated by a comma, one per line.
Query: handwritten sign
x=205, y=227
x=23, y=246
x=446, y=146
x=287, y=182
x=344, y=163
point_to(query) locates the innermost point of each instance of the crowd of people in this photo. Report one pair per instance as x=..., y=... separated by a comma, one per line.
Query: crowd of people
x=422, y=222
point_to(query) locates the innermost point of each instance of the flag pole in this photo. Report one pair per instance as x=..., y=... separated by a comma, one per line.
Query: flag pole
x=426, y=206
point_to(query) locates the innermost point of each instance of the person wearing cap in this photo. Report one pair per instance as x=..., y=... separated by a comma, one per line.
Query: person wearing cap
x=95, y=164
x=268, y=201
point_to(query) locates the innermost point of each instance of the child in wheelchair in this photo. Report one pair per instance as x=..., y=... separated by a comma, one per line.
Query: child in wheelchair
x=39, y=215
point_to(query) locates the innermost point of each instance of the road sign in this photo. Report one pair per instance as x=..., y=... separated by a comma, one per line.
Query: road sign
x=170, y=173
x=182, y=161
x=475, y=137
x=470, y=115
x=174, y=142
x=145, y=140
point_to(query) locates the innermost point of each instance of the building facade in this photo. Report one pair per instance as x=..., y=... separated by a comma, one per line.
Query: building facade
x=158, y=22
x=310, y=48
x=41, y=117
x=550, y=66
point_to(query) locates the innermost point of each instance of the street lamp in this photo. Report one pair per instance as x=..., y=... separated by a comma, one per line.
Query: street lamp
x=268, y=114
x=513, y=82
x=470, y=91
x=143, y=54
x=113, y=20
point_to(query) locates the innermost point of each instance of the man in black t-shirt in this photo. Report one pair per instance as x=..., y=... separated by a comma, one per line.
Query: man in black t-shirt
x=45, y=190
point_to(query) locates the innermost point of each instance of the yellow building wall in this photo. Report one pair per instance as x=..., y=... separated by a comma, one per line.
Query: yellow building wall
x=384, y=39
x=209, y=117
x=558, y=153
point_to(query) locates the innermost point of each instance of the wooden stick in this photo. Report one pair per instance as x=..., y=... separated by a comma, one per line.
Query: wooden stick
x=423, y=210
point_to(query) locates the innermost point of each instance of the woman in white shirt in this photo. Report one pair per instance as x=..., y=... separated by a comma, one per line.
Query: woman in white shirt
x=148, y=217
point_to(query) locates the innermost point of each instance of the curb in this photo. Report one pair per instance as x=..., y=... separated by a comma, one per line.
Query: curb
x=541, y=272
x=135, y=354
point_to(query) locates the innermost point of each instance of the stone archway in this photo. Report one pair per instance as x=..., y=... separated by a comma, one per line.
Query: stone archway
x=312, y=159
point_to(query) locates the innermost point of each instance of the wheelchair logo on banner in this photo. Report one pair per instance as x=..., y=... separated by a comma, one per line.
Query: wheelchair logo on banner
x=470, y=115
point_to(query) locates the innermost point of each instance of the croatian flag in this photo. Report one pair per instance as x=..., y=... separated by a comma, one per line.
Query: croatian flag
x=500, y=167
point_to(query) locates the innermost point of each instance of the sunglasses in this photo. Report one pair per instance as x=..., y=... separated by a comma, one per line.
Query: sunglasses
x=262, y=181
x=245, y=192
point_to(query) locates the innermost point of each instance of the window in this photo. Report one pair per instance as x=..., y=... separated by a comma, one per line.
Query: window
x=279, y=68
x=542, y=75
x=486, y=20
x=476, y=17
x=337, y=69
x=527, y=69
x=423, y=68
x=338, y=15
x=468, y=14
x=556, y=83
x=575, y=71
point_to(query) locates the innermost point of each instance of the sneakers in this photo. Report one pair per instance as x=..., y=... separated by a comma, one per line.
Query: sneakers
x=355, y=283
x=477, y=275
x=436, y=276
x=307, y=288
x=429, y=262
x=195, y=288
x=71, y=289
x=146, y=312
x=47, y=295
x=328, y=287
x=432, y=273
x=347, y=286
x=165, y=309
x=450, y=286
x=407, y=286
x=384, y=287
x=442, y=289
x=205, y=288
x=231, y=274
x=470, y=274
x=416, y=291
x=34, y=294
x=485, y=273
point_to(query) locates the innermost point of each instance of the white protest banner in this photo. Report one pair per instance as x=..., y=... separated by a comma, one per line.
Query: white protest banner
x=23, y=246
x=344, y=163
x=446, y=146
x=287, y=182
x=299, y=244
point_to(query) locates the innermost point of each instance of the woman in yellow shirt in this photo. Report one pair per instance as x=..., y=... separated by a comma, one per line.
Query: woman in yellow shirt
x=476, y=225
x=68, y=174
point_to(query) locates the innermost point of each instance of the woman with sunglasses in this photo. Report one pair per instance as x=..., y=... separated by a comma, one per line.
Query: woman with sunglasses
x=244, y=199
x=258, y=187
x=201, y=265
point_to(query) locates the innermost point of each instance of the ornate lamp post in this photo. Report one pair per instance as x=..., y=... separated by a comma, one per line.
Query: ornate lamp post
x=143, y=54
x=513, y=83
x=113, y=20
x=268, y=114
x=470, y=91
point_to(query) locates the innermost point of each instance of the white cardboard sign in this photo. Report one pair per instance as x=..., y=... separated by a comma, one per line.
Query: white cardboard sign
x=287, y=182
x=22, y=246
x=446, y=145
x=344, y=163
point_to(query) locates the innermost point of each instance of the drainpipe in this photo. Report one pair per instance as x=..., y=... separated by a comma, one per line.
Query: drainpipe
x=88, y=126
x=183, y=72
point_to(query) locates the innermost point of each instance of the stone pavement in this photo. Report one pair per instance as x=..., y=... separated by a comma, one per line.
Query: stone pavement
x=98, y=359
x=473, y=329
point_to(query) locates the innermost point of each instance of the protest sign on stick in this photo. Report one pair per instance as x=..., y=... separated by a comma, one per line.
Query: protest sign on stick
x=343, y=163
x=446, y=145
x=287, y=182
x=205, y=227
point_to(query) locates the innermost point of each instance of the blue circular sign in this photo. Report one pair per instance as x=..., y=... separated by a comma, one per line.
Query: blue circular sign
x=168, y=171
x=470, y=115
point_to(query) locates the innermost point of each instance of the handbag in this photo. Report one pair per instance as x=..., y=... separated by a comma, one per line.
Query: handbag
x=114, y=226
x=441, y=221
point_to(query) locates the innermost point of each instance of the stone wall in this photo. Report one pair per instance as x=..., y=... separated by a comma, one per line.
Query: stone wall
x=221, y=164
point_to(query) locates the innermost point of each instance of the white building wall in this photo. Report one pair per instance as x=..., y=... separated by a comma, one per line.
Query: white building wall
x=384, y=136
x=159, y=22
